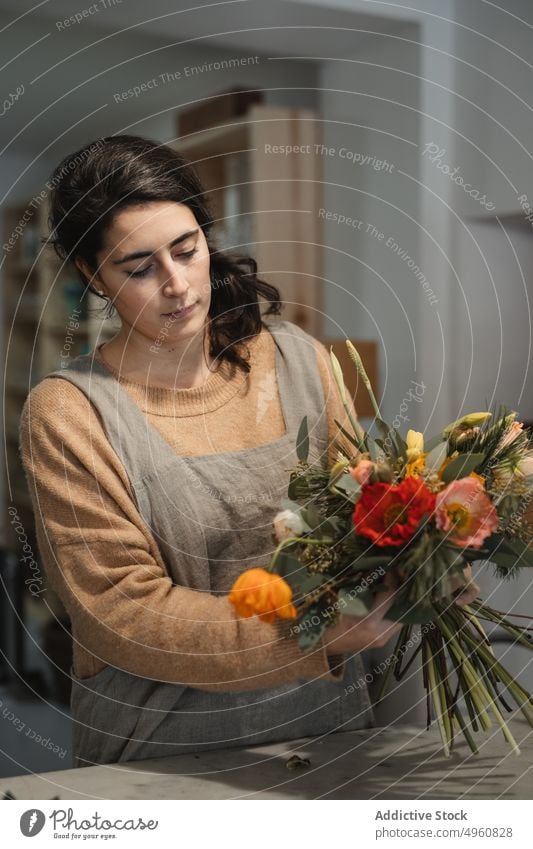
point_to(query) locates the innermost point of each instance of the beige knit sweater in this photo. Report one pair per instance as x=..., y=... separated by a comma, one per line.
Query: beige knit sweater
x=101, y=558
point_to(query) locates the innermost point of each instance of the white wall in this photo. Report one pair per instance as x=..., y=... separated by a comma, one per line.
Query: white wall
x=370, y=292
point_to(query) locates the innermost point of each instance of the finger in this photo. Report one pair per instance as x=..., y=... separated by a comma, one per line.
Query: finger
x=469, y=594
x=382, y=602
x=387, y=630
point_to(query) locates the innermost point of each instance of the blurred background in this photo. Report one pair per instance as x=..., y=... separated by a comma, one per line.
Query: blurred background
x=374, y=157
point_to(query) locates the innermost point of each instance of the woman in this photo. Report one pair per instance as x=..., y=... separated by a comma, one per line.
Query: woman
x=156, y=464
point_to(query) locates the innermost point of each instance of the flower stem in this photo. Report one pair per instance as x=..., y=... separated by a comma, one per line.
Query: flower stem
x=485, y=696
x=436, y=696
x=339, y=380
x=290, y=541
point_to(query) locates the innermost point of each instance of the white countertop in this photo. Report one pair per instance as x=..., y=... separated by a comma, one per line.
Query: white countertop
x=401, y=762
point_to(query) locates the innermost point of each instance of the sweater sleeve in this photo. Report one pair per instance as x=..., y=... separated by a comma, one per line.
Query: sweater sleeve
x=102, y=561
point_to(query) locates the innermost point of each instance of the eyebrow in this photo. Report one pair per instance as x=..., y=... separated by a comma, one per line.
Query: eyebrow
x=139, y=254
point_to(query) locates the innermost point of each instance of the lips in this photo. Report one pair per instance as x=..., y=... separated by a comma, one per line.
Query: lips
x=180, y=311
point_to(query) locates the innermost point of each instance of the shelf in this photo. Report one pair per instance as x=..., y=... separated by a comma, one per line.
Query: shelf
x=22, y=389
x=62, y=329
x=224, y=139
x=22, y=499
x=12, y=436
x=19, y=318
x=21, y=267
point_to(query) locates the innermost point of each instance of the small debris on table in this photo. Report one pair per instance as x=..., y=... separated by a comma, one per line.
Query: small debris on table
x=296, y=762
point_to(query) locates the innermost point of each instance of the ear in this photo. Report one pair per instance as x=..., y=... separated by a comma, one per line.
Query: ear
x=82, y=266
x=90, y=276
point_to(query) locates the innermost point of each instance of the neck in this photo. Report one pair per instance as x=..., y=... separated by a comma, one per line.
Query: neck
x=175, y=365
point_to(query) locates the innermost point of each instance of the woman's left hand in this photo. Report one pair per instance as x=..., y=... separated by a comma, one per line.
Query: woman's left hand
x=470, y=591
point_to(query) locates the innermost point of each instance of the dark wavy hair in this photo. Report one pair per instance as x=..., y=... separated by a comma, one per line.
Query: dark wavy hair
x=90, y=186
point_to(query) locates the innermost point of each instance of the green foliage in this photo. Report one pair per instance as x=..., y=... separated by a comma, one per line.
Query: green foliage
x=296, y=575
x=353, y=603
x=310, y=628
x=302, y=441
x=433, y=442
x=426, y=570
x=348, y=487
x=405, y=611
x=462, y=466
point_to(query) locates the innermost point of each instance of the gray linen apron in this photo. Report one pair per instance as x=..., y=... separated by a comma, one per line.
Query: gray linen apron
x=211, y=517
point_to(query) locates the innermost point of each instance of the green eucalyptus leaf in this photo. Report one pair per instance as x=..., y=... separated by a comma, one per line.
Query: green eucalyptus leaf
x=311, y=516
x=349, y=487
x=387, y=434
x=436, y=456
x=333, y=526
x=372, y=450
x=366, y=564
x=352, y=603
x=505, y=560
x=461, y=466
x=401, y=443
x=522, y=552
x=434, y=442
x=290, y=504
x=309, y=583
x=383, y=427
x=310, y=628
x=302, y=441
x=290, y=568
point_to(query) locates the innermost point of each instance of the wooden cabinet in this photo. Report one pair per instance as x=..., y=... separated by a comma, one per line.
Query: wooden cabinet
x=263, y=178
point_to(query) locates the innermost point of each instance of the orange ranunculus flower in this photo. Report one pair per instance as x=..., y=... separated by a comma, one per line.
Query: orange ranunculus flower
x=389, y=514
x=261, y=593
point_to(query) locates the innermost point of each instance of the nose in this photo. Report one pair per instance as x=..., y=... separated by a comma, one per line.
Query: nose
x=174, y=280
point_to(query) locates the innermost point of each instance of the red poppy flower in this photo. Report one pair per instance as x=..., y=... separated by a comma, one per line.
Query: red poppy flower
x=389, y=514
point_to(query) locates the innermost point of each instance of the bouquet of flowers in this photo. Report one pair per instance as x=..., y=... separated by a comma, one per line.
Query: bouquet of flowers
x=416, y=512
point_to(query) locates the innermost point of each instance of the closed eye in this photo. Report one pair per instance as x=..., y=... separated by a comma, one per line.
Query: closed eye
x=144, y=271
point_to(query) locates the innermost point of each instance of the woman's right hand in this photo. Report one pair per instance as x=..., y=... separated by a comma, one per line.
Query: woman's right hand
x=350, y=634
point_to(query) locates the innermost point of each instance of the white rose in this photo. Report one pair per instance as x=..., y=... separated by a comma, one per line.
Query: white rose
x=286, y=524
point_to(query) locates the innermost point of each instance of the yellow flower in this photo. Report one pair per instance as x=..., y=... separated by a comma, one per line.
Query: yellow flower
x=415, y=444
x=413, y=469
x=261, y=593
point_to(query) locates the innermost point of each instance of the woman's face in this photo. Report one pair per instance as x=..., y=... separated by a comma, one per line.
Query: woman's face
x=154, y=261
